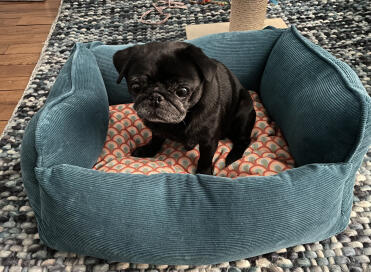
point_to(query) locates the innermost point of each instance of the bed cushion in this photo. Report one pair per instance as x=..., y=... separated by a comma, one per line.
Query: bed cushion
x=267, y=154
x=197, y=219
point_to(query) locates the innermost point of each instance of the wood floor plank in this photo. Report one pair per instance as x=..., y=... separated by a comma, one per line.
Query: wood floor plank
x=2, y=125
x=17, y=14
x=10, y=97
x=15, y=71
x=8, y=101
x=13, y=83
x=24, y=7
x=22, y=0
x=15, y=59
x=24, y=38
x=9, y=22
x=8, y=15
x=35, y=20
x=6, y=110
x=29, y=29
x=3, y=48
x=24, y=48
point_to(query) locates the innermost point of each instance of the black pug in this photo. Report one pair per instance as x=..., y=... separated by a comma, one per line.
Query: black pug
x=183, y=95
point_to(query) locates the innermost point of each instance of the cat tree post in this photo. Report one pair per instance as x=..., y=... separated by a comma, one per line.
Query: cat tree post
x=245, y=15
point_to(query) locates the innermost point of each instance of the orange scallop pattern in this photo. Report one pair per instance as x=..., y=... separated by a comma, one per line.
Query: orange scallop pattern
x=268, y=153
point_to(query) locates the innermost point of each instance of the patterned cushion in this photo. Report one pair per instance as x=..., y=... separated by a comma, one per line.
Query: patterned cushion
x=268, y=153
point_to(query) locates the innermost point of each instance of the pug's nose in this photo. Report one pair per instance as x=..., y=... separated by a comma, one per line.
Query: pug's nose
x=156, y=98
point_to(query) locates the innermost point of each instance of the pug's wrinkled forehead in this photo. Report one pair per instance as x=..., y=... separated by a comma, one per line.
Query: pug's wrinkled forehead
x=163, y=61
x=164, y=64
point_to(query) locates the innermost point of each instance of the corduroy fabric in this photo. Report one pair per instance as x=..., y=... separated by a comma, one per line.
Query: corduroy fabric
x=195, y=219
x=313, y=99
x=79, y=90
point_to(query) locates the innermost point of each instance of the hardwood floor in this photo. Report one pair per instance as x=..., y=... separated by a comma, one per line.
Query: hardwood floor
x=24, y=27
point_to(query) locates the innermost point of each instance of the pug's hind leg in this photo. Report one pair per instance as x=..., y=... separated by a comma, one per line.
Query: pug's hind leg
x=243, y=123
x=149, y=150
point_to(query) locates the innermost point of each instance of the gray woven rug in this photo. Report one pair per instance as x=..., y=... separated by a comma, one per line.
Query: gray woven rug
x=339, y=26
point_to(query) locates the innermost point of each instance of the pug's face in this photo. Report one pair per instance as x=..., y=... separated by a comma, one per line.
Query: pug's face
x=164, y=79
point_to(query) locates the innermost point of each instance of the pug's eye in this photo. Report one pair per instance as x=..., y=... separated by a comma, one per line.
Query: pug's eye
x=182, y=92
x=135, y=86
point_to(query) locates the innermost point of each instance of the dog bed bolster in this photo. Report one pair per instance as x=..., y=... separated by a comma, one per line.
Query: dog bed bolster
x=317, y=101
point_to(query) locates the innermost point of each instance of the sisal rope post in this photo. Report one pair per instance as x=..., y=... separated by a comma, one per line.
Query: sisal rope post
x=247, y=14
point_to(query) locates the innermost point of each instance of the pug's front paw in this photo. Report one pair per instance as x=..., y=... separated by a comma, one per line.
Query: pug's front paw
x=205, y=171
x=145, y=151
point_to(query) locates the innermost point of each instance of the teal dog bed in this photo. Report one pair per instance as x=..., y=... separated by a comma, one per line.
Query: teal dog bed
x=316, y=100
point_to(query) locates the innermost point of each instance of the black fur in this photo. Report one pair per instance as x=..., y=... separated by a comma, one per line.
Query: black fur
x=215, y=106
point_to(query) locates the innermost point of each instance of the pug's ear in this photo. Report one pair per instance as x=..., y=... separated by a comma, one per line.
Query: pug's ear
x=121, y=60
x=206, y=65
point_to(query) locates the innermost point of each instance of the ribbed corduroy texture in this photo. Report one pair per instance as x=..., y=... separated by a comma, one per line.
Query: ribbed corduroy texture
x=79, y=91
x=313, y=100
x=198, y=219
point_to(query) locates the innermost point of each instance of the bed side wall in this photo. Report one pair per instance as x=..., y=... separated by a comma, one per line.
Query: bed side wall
x=317, y=100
